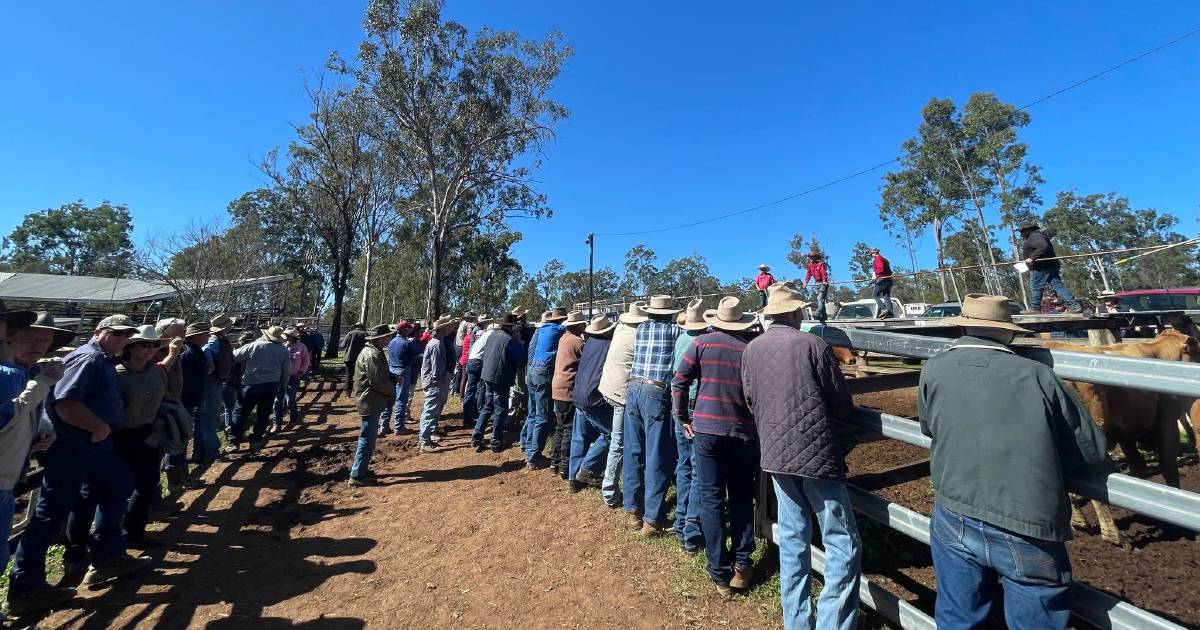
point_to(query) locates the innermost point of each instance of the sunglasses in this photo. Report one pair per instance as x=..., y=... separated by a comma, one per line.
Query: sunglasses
x=120, y=333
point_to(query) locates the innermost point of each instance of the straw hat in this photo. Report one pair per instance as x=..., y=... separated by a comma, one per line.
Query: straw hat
x=45, y=321
x=985, y=311
x=146, y=334
x=520, y=311
x=635, y=315
x=764, y=267
x=783, y=297
x=661, y=305
x=542, y=322
x=196, y=328
x=693, y=317
x=221, y=323
x=274, y=333
x=292, y=332
x=556, y=315
x=443, y=322
x=600, y=325
x=382, y=330
x=729, y=316
x=574, y=318
x=484, y=319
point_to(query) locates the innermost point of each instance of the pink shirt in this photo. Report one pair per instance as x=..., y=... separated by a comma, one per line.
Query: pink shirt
x=300, y=359
x=763, y=281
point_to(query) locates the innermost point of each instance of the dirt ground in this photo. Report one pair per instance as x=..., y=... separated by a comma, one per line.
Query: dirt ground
x=451, y=539
x=1159, y=571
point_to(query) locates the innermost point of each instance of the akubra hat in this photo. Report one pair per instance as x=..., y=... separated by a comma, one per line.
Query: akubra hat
x=382, y=330
x=600, y=325
x=274, y=333
x=764, y=267
x=574, y=318
x=783, y=297
x=17, y=319
x=729, y=315
x=485, y=319
x=661, y=305
x=556, y=315
x=508, y=319
x=146, y=334
x=221, y=323
x=543, y=321
x=443, y=322
x=520, y=311
x=196, y=328
x=294, y=333
x=635, y=315
x=1028, y=225
x=985, y=311
x=45, y=321
x=694, y=316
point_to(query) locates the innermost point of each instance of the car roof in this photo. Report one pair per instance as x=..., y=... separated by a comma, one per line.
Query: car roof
x=1180, y=291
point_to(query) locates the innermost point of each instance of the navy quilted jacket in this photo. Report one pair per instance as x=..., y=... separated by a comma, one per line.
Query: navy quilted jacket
x=796, y=390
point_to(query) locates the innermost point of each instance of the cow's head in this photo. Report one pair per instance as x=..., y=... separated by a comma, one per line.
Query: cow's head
x=1188, y=346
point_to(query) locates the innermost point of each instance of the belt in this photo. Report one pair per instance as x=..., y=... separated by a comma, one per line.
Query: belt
x=651, y=382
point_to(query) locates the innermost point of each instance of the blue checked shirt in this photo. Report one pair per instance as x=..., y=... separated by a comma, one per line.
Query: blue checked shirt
x=654, y=350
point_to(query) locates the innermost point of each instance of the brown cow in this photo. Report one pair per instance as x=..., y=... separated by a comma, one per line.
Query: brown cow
x=1126, y=415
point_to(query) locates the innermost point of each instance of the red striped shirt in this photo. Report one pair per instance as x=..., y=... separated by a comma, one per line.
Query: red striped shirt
x=715, y=360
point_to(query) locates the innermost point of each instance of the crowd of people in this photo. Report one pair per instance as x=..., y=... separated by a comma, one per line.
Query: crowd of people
x=707, y=400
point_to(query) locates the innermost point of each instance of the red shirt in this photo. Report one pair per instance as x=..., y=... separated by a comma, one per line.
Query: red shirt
x=817, y=271
x=881, y=266
x=764, y=280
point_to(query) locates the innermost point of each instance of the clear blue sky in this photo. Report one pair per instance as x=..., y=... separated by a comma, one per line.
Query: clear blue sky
x=679, y=110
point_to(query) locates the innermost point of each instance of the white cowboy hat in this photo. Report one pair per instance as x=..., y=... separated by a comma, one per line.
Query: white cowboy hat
x=729, y=316
x=693, y=317
x=783, y=297
x=600, y=325
x=635, y=315
x=661, y=305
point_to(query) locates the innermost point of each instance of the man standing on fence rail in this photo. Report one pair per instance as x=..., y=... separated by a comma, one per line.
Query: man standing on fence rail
x=1006, y=432
x=796, y=391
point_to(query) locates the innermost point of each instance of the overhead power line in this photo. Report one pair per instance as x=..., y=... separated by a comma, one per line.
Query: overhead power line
x=864, y=171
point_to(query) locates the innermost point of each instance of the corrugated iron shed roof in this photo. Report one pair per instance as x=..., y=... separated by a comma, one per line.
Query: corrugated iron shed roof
x=43, y=287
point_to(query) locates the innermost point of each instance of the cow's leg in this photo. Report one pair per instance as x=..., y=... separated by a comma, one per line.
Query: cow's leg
x=1133, y=457
x=1108, y=526
x=1078, y=521
x=1168, y=449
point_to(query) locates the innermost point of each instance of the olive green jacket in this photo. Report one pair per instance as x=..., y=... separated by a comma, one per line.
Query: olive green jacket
x=373, y=384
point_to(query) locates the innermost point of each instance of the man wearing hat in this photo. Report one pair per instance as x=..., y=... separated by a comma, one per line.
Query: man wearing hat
x=818, y=272
x=502, y=356
x=562, y=389
x=1044, y=267
x=400, y=358
x=593, y=415
x=541, y=375
x=300, y=359
x=687, y=495
x=1111, y=303
x=1005, y=432
x=435, y=380
x=316, y=343
x=84, y=407
x=218, y=393
x=265, y=377
x=881, y=281
x=797, y=393
x=518, y=404
x=471, y=362
x=614, y=382
x=724, y=441
x=352, y=343
x=650, y=453
x=535, y=402
x=761, y=282
x=375, y=390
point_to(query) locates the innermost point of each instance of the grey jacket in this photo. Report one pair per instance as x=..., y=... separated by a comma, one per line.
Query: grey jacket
x=1006, y=432
x=374, y=388
x=265, y=361
x=26, y=427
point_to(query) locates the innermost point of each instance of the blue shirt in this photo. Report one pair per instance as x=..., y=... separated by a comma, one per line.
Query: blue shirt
x=12, y=383
x=399, y=353
x=654, y=350
x=546, y=346
x=195, y=374
x=90, y=377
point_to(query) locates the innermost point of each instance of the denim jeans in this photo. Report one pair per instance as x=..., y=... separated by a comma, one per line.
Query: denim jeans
x=762, y=298
x=560, y=448
x=822, y=296
x=288, y=401
x=726, y=463
x=258, y=399
x=589, y=440
x=207, y=445
x=367, y=434
x=1039, y=278
x=799, y=498
x=540, y=410
x=972, y=558
x=649, y=452
x=611, y=488
x=495, y=409
x=75, y=468
x=8, y=508
x=882, y=292
x=231, y=397
x=473, y=393
x=431, y=412
x=400, y=409
x=687, y=491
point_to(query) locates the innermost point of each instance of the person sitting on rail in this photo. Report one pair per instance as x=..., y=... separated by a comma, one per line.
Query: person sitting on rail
x=1006, y=430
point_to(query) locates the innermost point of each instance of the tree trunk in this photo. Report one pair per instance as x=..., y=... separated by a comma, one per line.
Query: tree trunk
x=366, y=296
x=340, y=273
x=938, y=225
x=433, y=297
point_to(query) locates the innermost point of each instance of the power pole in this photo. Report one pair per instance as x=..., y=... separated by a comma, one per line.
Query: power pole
x=591, y=243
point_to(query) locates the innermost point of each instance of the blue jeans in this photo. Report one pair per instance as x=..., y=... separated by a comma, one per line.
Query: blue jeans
x=431, y=412
x=207, y=445
x=229, y=395
x=541, y=410
x=798, y=499
x=8, y=508
x=687, y=491
x=473, y=392
x=287, y=401
x=882, y=292
x=494, y=408
x=367, y=433
x=400, y=410
x=726, y=463
x=762, y=298
x=822, y=296
x=1039, y=278
x=258, y=399
x=971, y=558
x=611, y=488
x=75, y=468
x=589, y=440
x=649, y=452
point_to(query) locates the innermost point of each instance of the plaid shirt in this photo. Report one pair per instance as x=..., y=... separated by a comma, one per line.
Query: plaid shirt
x=654, y=350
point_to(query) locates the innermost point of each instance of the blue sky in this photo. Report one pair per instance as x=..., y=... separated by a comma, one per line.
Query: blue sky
x=679, y=110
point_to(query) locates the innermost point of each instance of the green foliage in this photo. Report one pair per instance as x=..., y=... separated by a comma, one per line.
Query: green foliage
x=73, y=240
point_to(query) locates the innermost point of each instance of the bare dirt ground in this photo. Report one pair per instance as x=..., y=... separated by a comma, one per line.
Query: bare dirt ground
x=452, y=539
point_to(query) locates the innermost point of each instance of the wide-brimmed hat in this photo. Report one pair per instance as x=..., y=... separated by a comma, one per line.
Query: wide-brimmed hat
x=359, y=325
x=729, y=315
x=783, y=297
x=765, y=267
x=556, y=315
x=146, y=334
x=470, y=315
x=600, y=325
x=274, y=333
x=382, y=330
x=196, y=328
x=542, y=320
x=221, y=323
x=520, y=311
x=636, y=313
x=815, y=254
x=1028, y=225
x=661, y=305
x=485, y=319
x=294, y=333
x=574, y=318
x=117, y=322
x=693, y=316
x=507, y=319
x=45, y=321
x=985, y=311
x=17, y=319
x=442, y=322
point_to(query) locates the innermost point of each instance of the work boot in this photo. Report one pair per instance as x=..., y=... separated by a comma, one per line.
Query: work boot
x=115, y=569
x=723, y=590
x=42, y=598
x=73, y=572
x=575, y=487
x=742, y=578
x=174, y=481
x=537, y=463
x=587, y=478
x=651, y=530
x=1074, y=310
x=635, y=520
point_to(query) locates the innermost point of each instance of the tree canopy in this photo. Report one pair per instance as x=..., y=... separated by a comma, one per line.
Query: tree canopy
x=72, y=239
